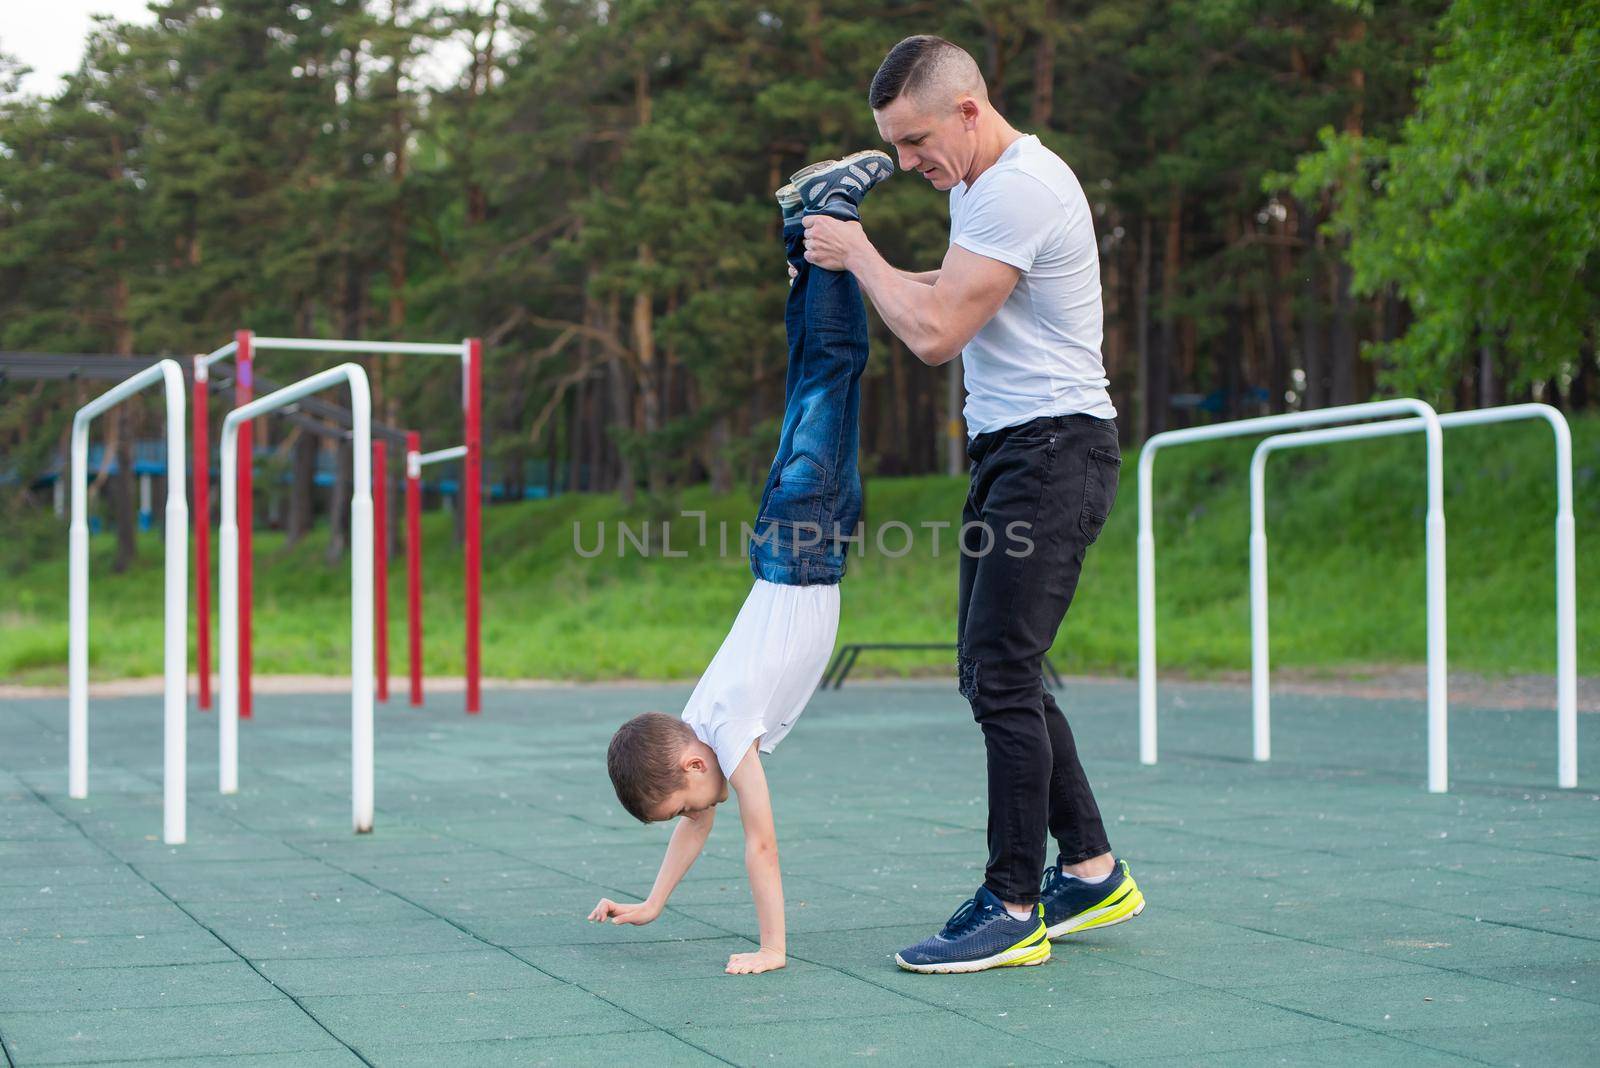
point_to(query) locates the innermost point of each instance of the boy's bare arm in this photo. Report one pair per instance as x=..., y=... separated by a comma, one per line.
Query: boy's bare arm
x=688, y=838
x=761, y=863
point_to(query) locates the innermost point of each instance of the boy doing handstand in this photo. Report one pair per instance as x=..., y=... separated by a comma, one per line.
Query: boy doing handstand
x=756, y=686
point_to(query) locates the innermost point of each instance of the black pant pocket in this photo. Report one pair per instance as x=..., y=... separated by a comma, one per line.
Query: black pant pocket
x=1101, y=472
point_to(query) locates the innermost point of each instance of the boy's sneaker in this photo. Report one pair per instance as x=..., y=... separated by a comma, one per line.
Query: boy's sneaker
x=981, y=935
x=830, y=181
x=789, y=202
x=1072, y=906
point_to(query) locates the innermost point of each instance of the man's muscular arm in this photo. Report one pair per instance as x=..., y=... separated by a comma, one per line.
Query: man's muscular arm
x=935, y=319
x=926, y=278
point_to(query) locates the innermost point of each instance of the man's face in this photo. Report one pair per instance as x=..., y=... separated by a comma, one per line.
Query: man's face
x=704, y=787
x=936, y=141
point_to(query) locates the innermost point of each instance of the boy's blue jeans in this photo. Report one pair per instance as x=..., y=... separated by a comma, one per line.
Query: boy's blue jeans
x=812, y=500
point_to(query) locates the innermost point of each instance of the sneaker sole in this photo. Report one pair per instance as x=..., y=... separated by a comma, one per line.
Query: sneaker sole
x=853, y=161
x=1120, y=909
x=1015, y=957
x=804, y=174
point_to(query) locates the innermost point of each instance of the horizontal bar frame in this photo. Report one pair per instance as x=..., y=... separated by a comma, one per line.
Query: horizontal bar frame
x=1565, y=564
x=1438, y=704
x=175, y=653
x=439, y=456
x=400, y=348
x=361, y=582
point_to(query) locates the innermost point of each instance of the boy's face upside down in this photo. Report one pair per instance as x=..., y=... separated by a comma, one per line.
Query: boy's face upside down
x=704, y=786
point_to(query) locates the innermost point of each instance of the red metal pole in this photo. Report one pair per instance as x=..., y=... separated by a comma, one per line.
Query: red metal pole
x=473, y=484
x=414, y=561
x=243, y=393
x=380, y=562
x=202, y=536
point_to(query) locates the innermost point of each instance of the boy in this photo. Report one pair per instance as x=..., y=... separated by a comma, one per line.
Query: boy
x=769, y=665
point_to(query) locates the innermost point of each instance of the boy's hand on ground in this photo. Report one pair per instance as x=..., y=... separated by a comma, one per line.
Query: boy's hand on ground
x=762, y=960
x=639, y=914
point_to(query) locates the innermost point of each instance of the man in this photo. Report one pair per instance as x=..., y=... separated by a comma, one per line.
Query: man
x=1018, y=294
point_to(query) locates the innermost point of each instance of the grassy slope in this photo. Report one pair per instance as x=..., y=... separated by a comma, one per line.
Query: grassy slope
x=1347, y=575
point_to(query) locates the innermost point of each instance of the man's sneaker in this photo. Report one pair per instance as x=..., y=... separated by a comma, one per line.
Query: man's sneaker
x=1072, y=906
x=981, y=935
x=789, y=202
x=831, y=180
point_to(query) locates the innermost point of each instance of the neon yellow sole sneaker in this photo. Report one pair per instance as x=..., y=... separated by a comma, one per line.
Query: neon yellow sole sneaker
x=981, y=935
x=1072, y=906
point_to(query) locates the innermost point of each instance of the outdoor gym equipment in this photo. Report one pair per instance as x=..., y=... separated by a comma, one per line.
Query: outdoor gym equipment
x=361, y=580
x=416, y=460
x=1565, y=566
x=1438, y=713
x=174, y=824
x=242, y=351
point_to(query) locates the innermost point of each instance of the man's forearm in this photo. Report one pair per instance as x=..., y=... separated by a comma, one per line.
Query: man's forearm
x=688, y=838
x=936, y=320
x=926, y=278
x=907, y=304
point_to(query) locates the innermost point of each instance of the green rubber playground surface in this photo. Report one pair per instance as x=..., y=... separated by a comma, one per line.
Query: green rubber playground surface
x=1322, y=909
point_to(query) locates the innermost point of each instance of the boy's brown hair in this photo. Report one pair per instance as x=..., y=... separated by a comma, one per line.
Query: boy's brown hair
x=643, y=760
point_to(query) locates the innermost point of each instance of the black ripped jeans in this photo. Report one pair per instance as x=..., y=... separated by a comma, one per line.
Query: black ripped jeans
x=1040, y=494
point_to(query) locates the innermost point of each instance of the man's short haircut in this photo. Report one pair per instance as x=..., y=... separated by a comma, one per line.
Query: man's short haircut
x=922, y=62
x=643, y=761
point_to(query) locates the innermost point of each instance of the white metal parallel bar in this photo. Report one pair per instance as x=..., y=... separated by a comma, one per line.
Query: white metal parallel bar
x=218, y=354
x=129, y=386
x=361, y=592
x=1438, y=722
x=1565, y=559
x=402, y=348
x=441, y=455
x=175, y=633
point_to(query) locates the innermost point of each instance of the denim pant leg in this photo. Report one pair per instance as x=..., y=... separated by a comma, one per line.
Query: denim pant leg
x=813, y=491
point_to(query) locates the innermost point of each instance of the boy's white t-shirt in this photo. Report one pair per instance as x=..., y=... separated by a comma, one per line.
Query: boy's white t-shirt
x=769, y=665
x=1040, y=354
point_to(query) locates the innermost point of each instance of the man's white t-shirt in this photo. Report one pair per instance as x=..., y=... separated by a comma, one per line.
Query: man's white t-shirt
x=1040, y=354
x=769, y=665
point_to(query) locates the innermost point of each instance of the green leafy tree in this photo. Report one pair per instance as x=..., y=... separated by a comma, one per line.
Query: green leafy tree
x=1483, y=212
